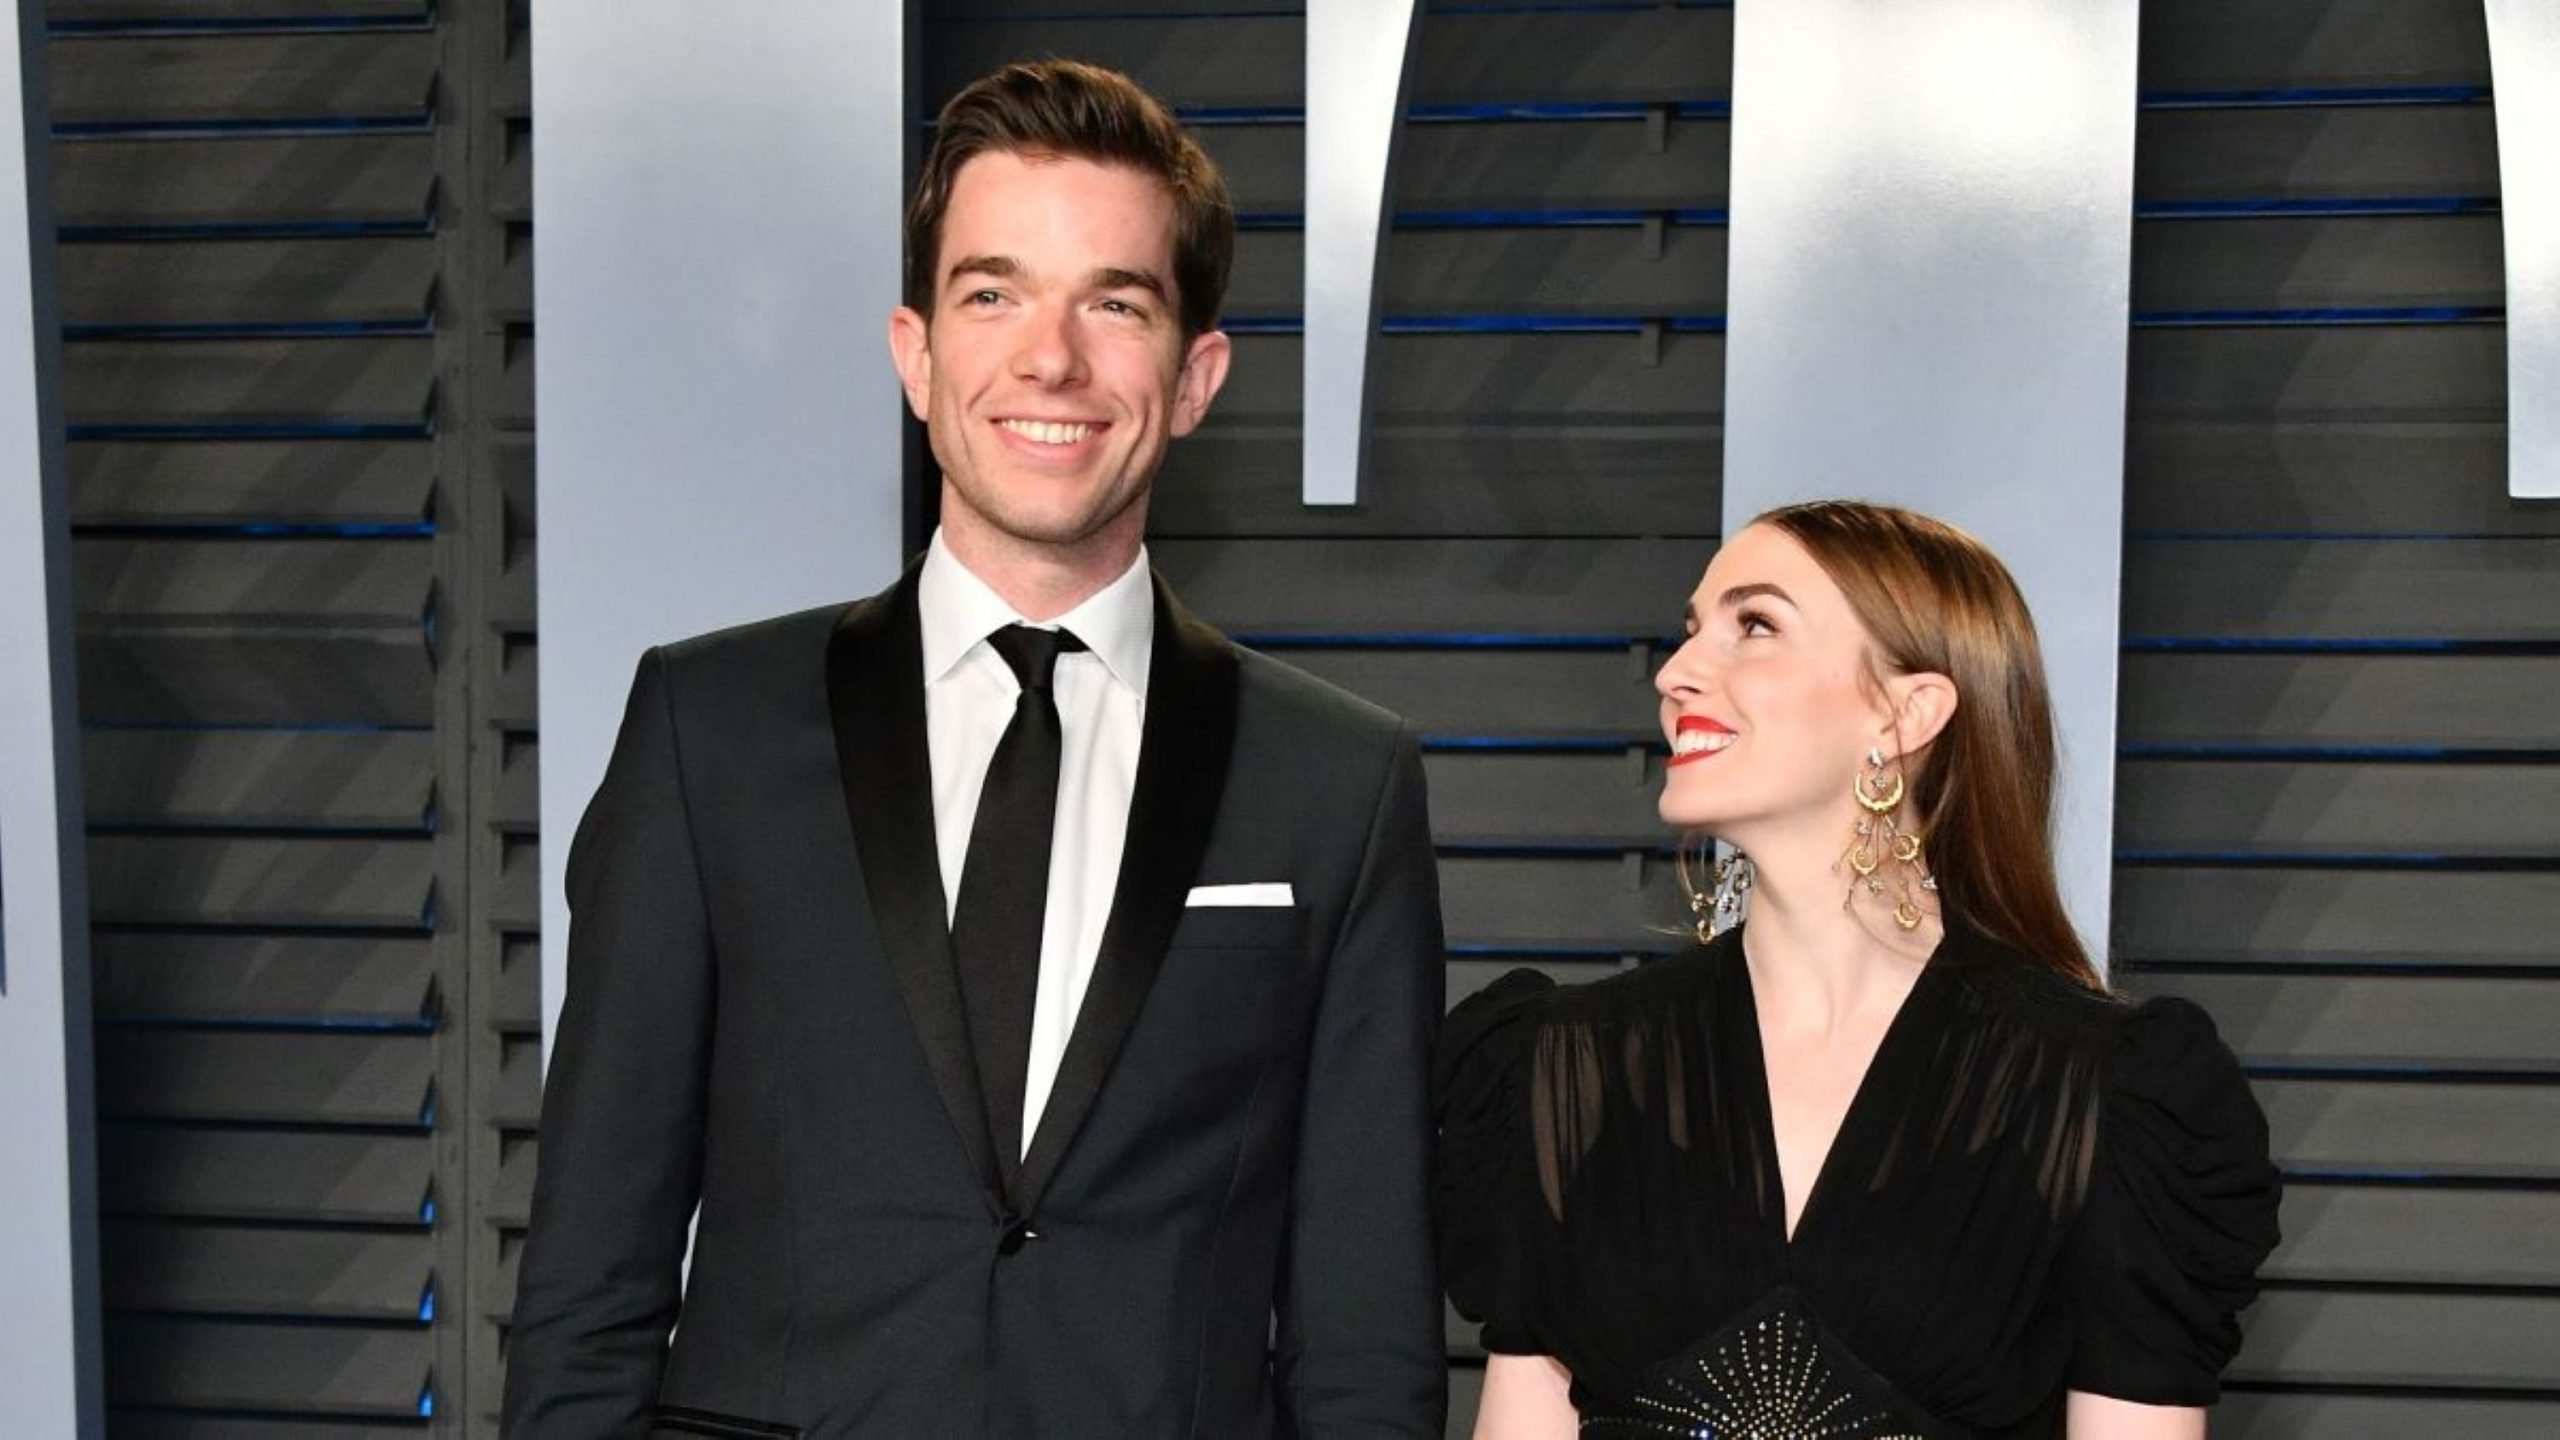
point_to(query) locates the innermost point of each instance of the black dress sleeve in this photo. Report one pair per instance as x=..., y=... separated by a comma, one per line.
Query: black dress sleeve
x=1479, y=1085
x=2181, y=1212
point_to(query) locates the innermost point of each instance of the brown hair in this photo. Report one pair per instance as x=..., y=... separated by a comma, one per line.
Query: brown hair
x=1065, y=109
x=1935, y=599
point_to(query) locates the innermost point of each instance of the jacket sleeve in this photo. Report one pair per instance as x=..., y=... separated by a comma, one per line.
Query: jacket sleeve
x=599, y=1282
x=1360, y=1350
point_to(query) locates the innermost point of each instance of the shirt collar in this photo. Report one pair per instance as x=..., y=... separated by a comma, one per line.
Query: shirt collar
x=1117, y=623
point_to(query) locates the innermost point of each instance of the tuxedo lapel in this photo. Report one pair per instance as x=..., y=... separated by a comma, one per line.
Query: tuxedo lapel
x=1182, y=769
x=875, y=698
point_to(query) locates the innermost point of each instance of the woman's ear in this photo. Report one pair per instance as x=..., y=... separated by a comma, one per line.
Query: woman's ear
x=1921, y=703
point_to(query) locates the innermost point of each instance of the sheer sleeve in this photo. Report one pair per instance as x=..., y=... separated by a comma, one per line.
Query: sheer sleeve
x=2181, y=1214
x=1479, y=1097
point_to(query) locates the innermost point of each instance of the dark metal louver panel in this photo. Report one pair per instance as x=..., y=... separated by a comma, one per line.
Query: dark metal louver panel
x=355, y=1372
x=2339, y=724
x=262, y=780
x=286, y=1078
x=1560, y=588
x=251, y=273
x=227, y=483
x=312, y=1176
x=381, y=982
x=229, y=1270
x=245, y=186
x=2335, y=916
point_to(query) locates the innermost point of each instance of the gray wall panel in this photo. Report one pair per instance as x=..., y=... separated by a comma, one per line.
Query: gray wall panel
x=240, y=1366
x=165, y=880
x=375, y=280
x=180, y=77
x=2349, y=152
x=2489, y=1341
x=2289, y=263
x=352, y=1178
x=380, y=981
x=2484, y=702
x=1473, y=477
x=348, y=482
x=2414, y=477
x=316, y=1274
x=2213, y=45
x=1544, y=588
x=2197, y=915
x=2396, y=1235
x=2431, y=373
x=363, y=178
x=148, y=1072
x=2238, y=807
x=2375, y=1022
x=246, y=779
x=2384, y=1417
x=2415, y=1129
x=2342, y=590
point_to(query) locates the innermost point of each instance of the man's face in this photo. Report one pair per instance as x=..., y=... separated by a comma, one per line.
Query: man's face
x=1053, y=371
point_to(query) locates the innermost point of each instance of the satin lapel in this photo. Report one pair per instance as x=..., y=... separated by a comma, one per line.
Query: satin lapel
x=875, y=696
x=1182, y=769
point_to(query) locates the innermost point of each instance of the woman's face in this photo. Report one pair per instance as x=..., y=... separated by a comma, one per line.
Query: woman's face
x=1767, y=703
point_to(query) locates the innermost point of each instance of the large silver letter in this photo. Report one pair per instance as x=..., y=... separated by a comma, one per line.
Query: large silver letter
x=1930, y=270
x=2524, y=72
x=719, y=205
x=1357, y=58
x=49, y=1367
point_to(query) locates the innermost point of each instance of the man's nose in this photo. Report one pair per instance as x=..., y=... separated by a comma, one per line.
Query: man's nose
x=1052, y=352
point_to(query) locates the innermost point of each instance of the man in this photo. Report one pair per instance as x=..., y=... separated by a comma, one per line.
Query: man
x=1033, y=989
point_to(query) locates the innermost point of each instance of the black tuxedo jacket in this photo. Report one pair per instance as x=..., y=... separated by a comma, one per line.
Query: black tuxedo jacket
x=1225, y=1231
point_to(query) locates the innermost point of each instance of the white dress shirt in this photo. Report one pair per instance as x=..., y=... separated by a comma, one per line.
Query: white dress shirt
x=969, y=694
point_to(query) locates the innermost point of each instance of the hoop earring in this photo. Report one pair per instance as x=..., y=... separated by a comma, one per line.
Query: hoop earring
x=1879, y=837
x=1718, y=908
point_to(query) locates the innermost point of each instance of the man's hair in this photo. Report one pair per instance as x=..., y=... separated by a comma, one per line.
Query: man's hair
x=1064, y=109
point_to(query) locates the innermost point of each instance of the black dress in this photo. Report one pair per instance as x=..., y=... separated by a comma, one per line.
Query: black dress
x=2036, y=1189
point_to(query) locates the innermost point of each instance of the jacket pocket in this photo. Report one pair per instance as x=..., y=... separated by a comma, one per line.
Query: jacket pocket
x=686, y=1420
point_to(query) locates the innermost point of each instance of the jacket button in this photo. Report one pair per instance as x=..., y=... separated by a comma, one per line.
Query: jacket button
x=1015, y=1236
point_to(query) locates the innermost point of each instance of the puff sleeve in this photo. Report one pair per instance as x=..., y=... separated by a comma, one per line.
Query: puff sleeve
x=1482, y=1181
x=2181, y=1212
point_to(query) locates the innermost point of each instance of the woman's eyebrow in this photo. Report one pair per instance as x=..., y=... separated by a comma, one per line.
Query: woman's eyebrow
x=1740, y=593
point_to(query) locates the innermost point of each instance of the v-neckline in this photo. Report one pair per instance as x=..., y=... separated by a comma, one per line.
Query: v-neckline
x=1791, y=1242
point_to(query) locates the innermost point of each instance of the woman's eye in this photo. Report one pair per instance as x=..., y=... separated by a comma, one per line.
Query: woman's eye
x=1752, y=622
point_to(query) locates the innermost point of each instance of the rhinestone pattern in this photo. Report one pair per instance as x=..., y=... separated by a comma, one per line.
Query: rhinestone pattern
x=1770, y=1376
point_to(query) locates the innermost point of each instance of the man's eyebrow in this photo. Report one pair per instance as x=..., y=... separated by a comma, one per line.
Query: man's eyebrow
x=994, y=267
x=1740, y=593
x=1113, y=278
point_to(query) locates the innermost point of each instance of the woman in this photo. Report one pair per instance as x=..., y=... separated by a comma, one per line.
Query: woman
x=1887, y=1160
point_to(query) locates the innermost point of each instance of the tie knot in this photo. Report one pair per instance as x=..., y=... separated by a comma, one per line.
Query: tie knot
x=1033, y=653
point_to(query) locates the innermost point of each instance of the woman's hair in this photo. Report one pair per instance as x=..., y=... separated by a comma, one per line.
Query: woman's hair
x=1067, y=110
x=1935, y=599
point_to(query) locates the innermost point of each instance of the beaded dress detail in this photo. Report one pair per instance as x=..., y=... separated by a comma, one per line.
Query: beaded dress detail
x=1772, y=1374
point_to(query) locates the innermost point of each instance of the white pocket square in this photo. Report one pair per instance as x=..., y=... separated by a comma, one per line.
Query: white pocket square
x=1260, y=892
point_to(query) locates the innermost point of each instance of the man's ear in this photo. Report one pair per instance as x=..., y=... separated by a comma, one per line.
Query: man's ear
x=911, y=350
x=1919, y=704
x=1204, y=370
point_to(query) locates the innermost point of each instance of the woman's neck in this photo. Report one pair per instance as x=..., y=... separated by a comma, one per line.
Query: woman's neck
x=1815, y=958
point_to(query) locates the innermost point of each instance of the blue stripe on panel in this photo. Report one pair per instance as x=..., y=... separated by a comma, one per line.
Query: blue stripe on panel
x=2291, y=96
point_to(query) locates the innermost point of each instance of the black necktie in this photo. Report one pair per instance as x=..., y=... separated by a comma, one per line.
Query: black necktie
x=1004, y=886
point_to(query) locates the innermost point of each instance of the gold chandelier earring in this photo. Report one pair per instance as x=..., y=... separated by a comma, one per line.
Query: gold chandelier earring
x=1719, y=907
x=1879, y=838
